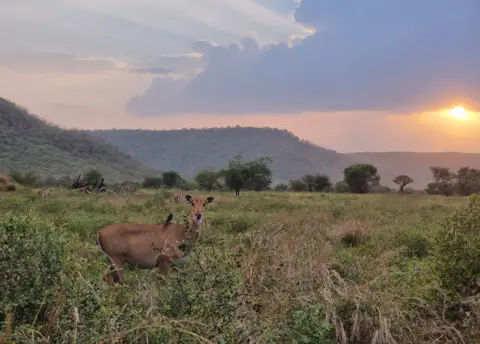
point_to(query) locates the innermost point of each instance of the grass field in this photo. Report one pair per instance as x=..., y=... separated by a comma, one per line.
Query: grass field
x=270, y=268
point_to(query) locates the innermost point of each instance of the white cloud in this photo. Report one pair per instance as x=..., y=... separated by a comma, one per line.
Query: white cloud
x=136, y=30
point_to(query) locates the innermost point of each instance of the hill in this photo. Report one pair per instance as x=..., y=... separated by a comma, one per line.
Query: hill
x=416, y=165
x=190, y=150
x=28, y=143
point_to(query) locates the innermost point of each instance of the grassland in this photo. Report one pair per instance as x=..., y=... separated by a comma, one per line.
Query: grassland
x=270, y=268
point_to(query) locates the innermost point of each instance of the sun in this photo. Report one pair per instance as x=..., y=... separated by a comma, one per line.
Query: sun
x=459, y=112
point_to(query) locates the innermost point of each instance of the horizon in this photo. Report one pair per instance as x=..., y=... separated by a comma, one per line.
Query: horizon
x=173, y=65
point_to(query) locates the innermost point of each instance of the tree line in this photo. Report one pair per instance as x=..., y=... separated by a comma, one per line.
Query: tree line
x=256, y=175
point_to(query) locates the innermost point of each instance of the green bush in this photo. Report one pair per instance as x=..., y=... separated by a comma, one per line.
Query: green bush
x=307, y=325
x=458, y=250
x=207, y=289
x=415, y=244
x=32, y=257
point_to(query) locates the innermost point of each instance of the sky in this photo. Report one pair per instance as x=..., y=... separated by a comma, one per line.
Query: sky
x=370, y=75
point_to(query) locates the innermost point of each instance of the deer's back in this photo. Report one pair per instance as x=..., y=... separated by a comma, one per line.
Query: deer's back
x=141, y=240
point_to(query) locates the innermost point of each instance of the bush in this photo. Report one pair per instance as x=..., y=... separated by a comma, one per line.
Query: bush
x=32, y=257
x=415, y=243
x=6, y=184
x=307, y=325
x=458, y=254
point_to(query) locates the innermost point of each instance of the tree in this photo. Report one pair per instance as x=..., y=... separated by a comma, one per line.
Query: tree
x=281, y=187
x=152, y=183
x=322, y=182
x=309, y=180
x=402, y=181
x=240, y=172
x=341, y=187
x=468, y=181
x=443, y=181
x=171, y=179
x=361, y=177
x=208, y=179
x=258, y=183
x=298, y=185
x=317, y=182
x=92, y=177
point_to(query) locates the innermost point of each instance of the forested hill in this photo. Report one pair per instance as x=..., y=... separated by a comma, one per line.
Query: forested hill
x=29, y=144
x=190, y=150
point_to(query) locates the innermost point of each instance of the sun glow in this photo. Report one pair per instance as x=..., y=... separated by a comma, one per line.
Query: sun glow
x=459, y=112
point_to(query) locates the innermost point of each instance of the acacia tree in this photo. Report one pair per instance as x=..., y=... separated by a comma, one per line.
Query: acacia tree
x=443, y=181
x=240, y=172
x=402, y=181
x=171, y=179
x=361, y=177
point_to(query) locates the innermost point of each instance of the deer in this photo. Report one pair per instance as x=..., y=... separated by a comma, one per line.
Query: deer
x=177, y=196
x=150, y=246
x=43, y=192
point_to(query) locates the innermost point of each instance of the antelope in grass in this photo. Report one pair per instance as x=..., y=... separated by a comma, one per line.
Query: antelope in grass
x=177, y=196
x=44, y=192
x=148, y=246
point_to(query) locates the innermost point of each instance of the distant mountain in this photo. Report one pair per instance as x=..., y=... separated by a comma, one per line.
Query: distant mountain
x=416, y=165
x=191, y=150
x=28, y=143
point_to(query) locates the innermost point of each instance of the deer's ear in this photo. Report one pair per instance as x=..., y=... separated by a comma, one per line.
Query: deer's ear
x=188, y=198
x=209, y=200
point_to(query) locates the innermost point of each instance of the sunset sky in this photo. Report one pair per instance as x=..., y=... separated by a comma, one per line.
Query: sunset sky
x=370, y=75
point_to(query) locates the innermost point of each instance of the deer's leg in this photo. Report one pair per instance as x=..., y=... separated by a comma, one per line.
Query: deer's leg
x=163, y=264
x=115, y=275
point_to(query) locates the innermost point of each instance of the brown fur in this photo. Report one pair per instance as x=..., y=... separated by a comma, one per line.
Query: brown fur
x=44, y=192
x=177, y=197
x=148, y=246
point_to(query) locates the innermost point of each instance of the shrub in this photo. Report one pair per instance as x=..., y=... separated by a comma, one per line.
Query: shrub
x=6, y=184
x=415, y=243
x=307, y=325
x=458, y=254
x=32, y=256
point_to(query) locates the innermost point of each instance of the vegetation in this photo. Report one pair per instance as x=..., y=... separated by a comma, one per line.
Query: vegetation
x=269, y=268
x=464, y=183
x=402, y=181
x=415, y=164
x=30, y=144
x=253, y=175
x=361, y=177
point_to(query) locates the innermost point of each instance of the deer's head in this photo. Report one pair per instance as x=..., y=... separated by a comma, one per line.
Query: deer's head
x=198, y=203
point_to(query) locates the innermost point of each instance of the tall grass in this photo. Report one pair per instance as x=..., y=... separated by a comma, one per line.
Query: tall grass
x=270, y=268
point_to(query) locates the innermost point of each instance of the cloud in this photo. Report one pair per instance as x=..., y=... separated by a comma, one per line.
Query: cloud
x=135, y=30
x=154, y=70
x=56, y=63
x=376, y=55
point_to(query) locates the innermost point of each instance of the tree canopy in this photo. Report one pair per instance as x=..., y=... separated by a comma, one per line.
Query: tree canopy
x=361, y=177
x=241, y=172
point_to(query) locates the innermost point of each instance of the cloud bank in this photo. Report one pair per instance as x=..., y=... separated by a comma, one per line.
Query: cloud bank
x=376, y=55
